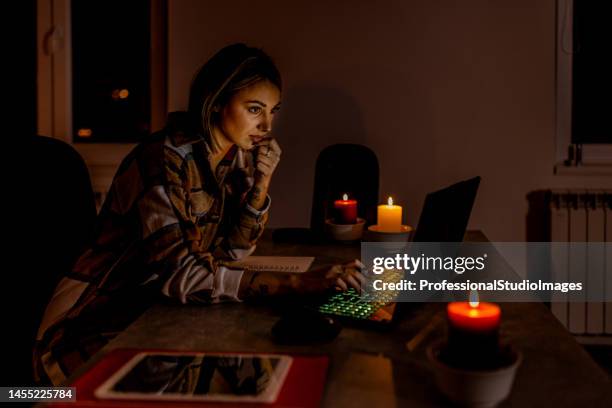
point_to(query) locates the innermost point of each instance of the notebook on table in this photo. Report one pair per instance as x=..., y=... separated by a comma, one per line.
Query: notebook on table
x=293, y=264
x=444, y=218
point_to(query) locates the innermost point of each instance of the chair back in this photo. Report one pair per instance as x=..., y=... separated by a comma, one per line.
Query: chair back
x=350, y=169
x=58, y=224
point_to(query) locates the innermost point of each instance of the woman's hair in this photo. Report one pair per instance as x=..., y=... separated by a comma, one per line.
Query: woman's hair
x=231, y=69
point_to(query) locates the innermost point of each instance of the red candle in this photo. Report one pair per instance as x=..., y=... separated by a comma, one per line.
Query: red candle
x=473, y=334
x=474, y=316
x=345, y=210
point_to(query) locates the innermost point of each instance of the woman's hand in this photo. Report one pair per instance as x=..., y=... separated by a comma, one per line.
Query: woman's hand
x=268, y=157
x=341, y=277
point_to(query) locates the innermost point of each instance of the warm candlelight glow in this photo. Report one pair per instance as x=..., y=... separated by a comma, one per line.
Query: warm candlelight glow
x=120, y=94
x=84, y=132
x=473, y=316
x=390, y=201
x=345, y=197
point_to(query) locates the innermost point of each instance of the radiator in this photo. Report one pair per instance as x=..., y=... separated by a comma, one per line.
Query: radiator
x=566, y=216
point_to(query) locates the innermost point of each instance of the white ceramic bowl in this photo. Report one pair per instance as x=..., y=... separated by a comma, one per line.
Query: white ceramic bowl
x=374, y=234
x=345, y=232
x=474, y=388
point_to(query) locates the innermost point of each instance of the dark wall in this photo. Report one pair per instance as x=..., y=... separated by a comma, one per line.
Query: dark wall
x=21, y=63
x=441, y=91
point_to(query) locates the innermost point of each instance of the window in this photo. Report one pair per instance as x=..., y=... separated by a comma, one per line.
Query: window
x=110, y=71
x=584, y=83
x=101, y=77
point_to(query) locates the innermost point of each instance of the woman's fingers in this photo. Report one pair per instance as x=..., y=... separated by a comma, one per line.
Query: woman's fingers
x=346, y=276
x=264, y=168
x=268, y=147
x=350, y=277
x=360, y=277
x=357, y=264
x=357, y=269
x=275, y=147
x=268, y=156
x=341, y=284
x=271, y=159
x=353, y=282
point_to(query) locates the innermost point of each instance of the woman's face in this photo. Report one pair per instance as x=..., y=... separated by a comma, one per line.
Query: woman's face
x=247, y=118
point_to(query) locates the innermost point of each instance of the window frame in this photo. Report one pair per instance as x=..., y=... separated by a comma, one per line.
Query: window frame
x=54, y=86
x=596, y=158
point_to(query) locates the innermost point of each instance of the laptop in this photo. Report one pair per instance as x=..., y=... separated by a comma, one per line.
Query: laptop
x=446, y=213
x=444, y=218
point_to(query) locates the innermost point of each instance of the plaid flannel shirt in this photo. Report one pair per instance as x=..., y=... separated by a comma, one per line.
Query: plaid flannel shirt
x=167, y=227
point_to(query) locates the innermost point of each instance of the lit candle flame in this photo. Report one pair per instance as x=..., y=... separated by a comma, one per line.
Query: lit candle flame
x=390, y=201
x=345, y=197
x=474, y=299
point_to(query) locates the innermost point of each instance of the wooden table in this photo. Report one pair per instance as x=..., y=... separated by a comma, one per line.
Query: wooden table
x=373, y=368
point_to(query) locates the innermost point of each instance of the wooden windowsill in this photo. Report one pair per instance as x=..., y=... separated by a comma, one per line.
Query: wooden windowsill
x=583, y=170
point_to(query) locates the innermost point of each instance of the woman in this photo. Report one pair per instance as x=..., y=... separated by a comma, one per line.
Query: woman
x=183, y=206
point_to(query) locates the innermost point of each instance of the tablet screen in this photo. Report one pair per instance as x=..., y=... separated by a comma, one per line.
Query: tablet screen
x=185, y=376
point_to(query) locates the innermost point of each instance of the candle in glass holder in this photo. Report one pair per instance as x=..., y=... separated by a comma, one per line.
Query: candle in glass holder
x=389, y=217
x=345, y=211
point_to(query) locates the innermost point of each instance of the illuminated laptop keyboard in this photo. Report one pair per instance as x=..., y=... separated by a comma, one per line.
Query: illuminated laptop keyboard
x=377, y=305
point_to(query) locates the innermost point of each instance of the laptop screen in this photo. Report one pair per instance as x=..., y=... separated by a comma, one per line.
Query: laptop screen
x=446, y=213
